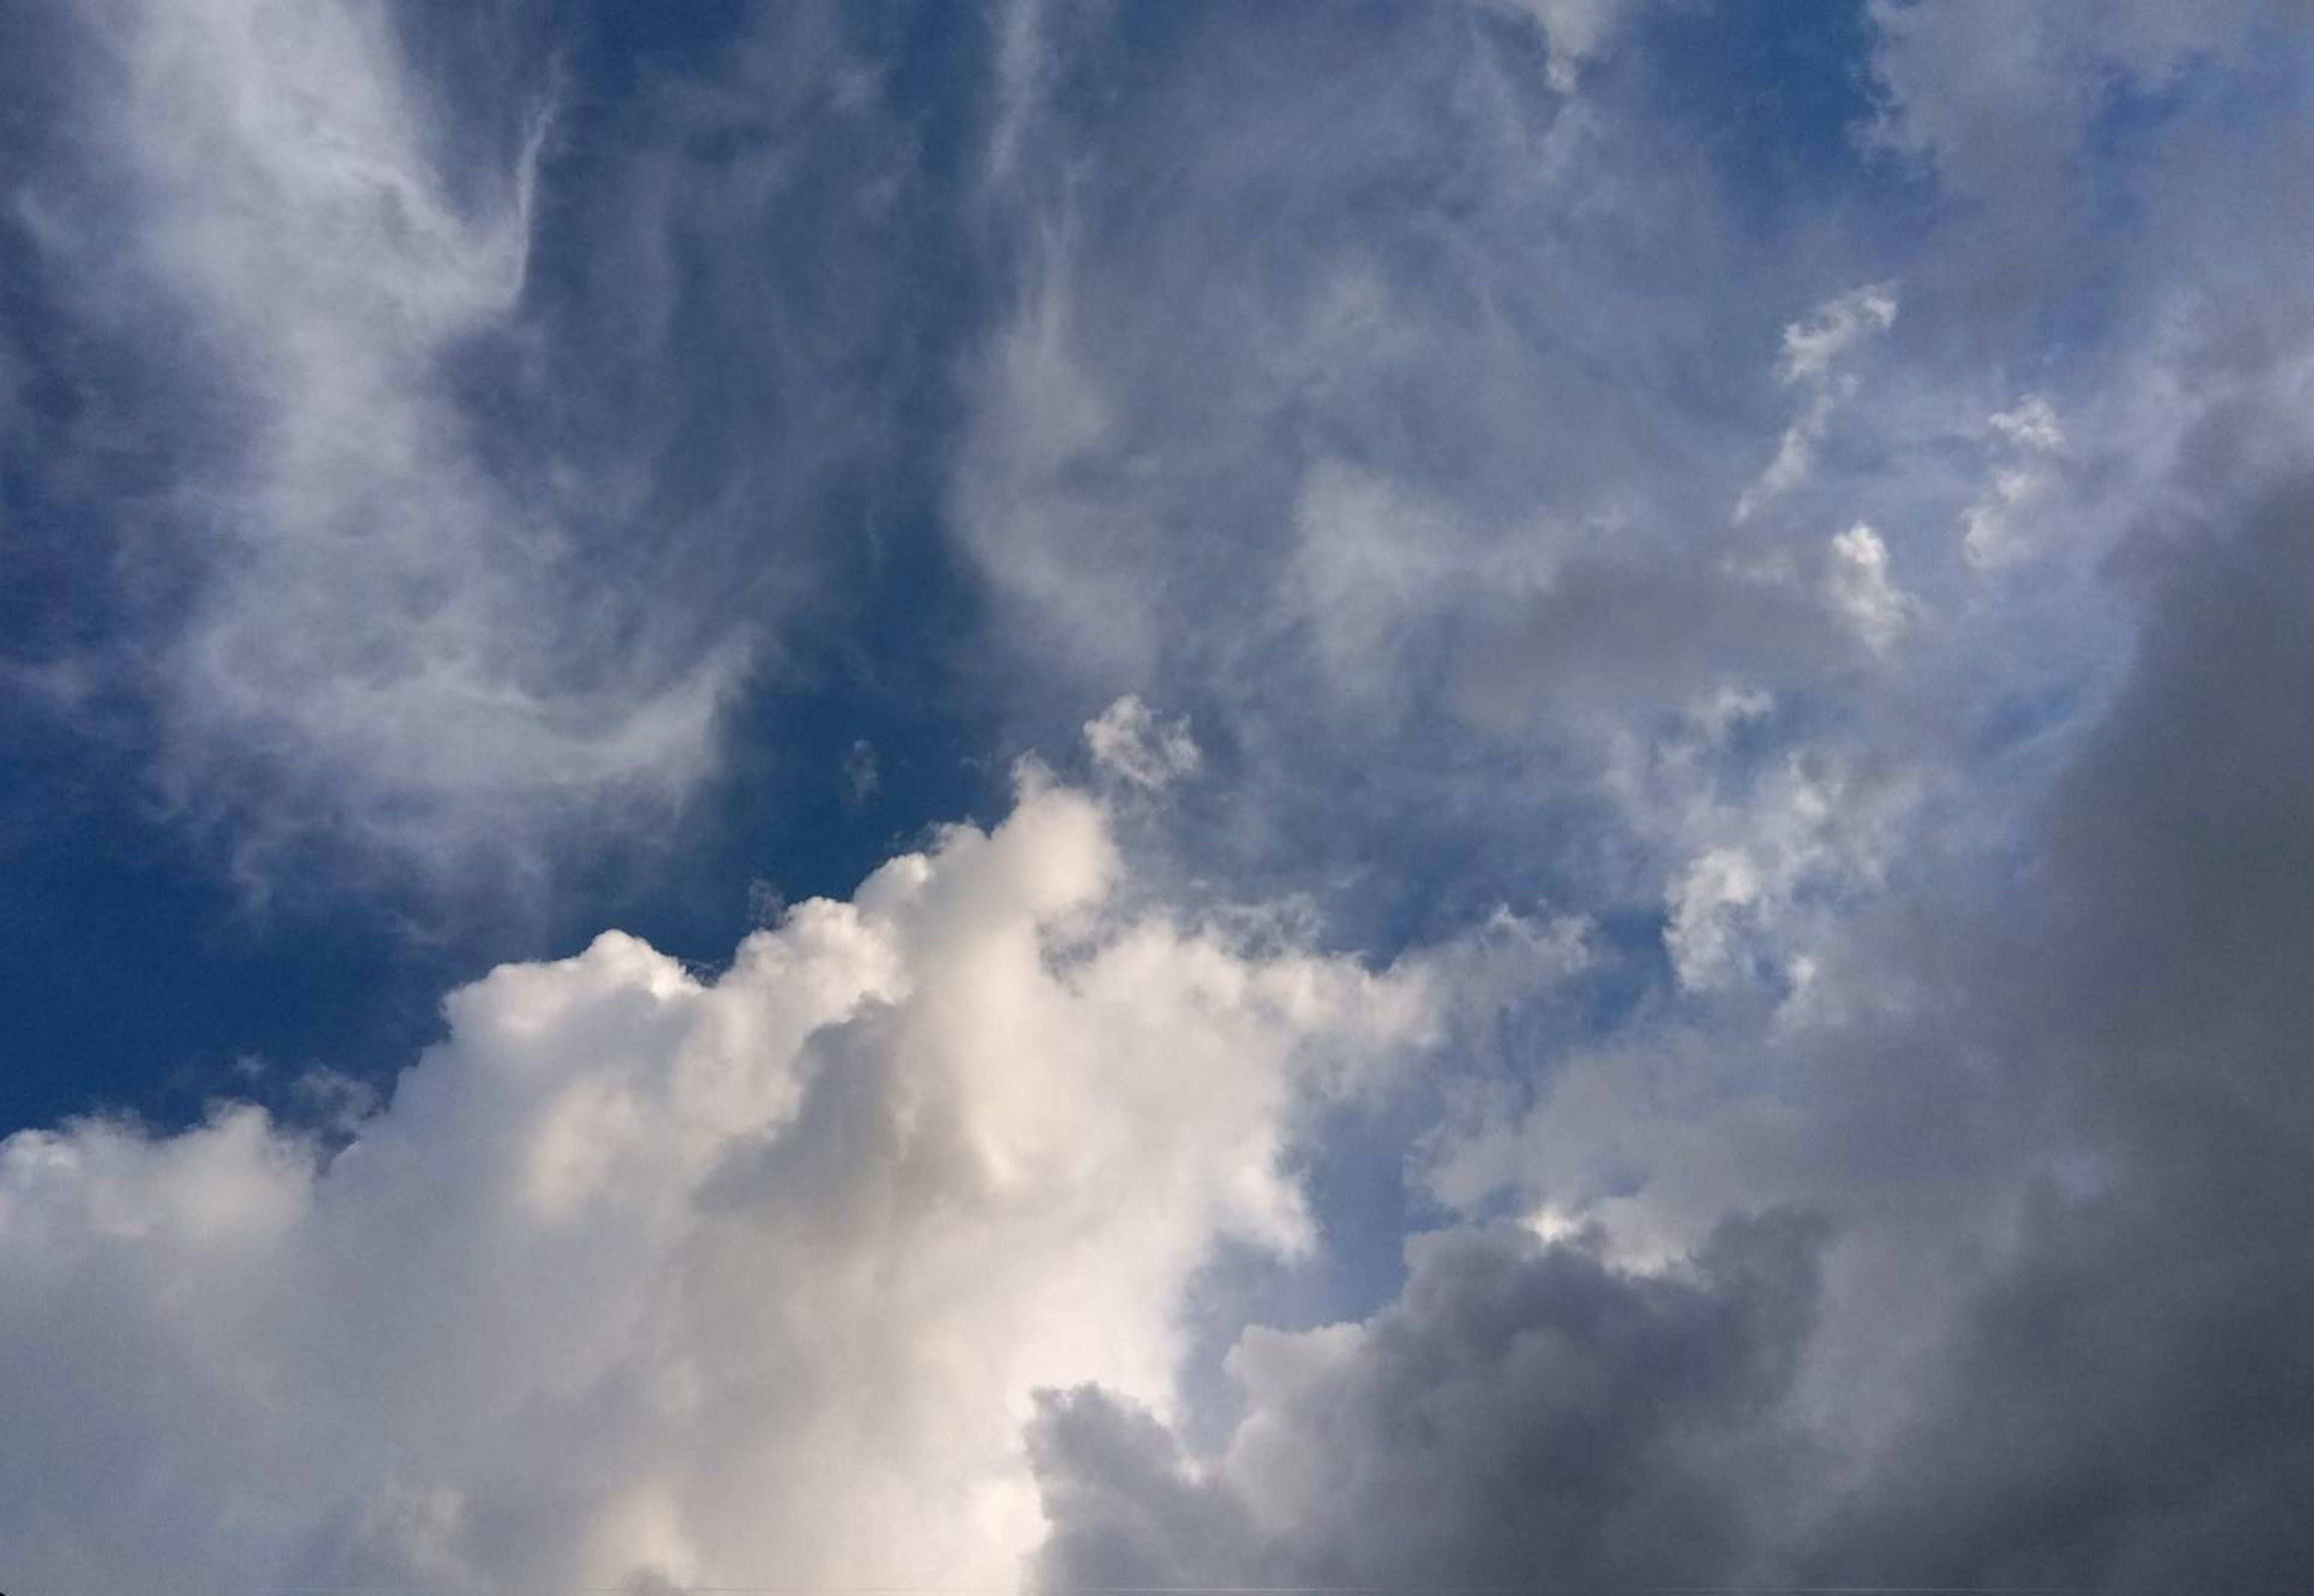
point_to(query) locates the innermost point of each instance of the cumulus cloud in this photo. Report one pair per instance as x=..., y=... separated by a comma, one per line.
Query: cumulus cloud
x=1815, y=826
x=643, y=1273
x=2046, y=1327
x=1525, y=1414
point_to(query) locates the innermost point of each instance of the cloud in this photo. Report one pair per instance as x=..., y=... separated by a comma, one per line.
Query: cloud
x=377, y=640
x=644, y=1273
x=1372, y=413
x=1575, y=30
x=2119, y=1404
x=441, y=568
x=1706, y=904
x=1378, y=422
x=2050, y=1105
x=1776, y=862
x=1130, y=744
x=2046, y=1329
x=1857, y=583
x=861, y=774
x=1996, y=529
x=1813, y=350
x=1346, y=378
x=1523, y=1414
x=1997, y=99
x=1813, y=346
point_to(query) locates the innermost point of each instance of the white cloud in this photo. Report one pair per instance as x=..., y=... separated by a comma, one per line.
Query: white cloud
x=1130, y=744
x=1811, y=347
x=1706, y=902
x=734, y=1280
x=1997, y=530
x=1812, y=825
x=1857, y=584
x=2032, y=426
x=1812, y=352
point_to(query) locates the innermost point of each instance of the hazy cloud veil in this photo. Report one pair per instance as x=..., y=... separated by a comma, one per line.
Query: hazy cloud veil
x=1562, y=746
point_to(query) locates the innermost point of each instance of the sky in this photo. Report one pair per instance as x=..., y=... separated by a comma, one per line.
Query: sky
x=1051, y=795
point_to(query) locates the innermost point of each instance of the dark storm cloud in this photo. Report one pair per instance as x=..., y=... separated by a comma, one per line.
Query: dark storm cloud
x=1523, y=1414
x=2131, y=1398
x=2093, y=1106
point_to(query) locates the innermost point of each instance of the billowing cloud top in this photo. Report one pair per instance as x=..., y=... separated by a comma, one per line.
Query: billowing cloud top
x=1642, y=667
x=640, y=1271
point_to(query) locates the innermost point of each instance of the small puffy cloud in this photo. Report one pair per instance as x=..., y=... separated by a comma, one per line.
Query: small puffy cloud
x=1858, y=585
x=1705, y=904
x=1813, y=350
x=2032, y=426
x=1813, y=346
x=641, y=1275
x=1997, y=529
x=1130, y=744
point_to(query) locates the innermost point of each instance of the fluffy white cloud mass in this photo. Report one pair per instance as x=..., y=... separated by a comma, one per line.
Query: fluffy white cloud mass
x=648, y=1275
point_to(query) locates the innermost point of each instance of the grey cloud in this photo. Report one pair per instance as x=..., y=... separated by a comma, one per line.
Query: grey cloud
x=1384, y=408
x=2052, y=1329
x=2044, y=1074
x=1395, y=270
x=2126, y=1403
x=1525, y=1414
x=1705, y=627
x=1999, y=98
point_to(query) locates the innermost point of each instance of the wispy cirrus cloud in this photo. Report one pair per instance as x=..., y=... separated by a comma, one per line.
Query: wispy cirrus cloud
x=375, y=643
x=433, y=583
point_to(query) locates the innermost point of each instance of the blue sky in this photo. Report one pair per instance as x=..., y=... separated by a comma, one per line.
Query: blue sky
x=1110, y=752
